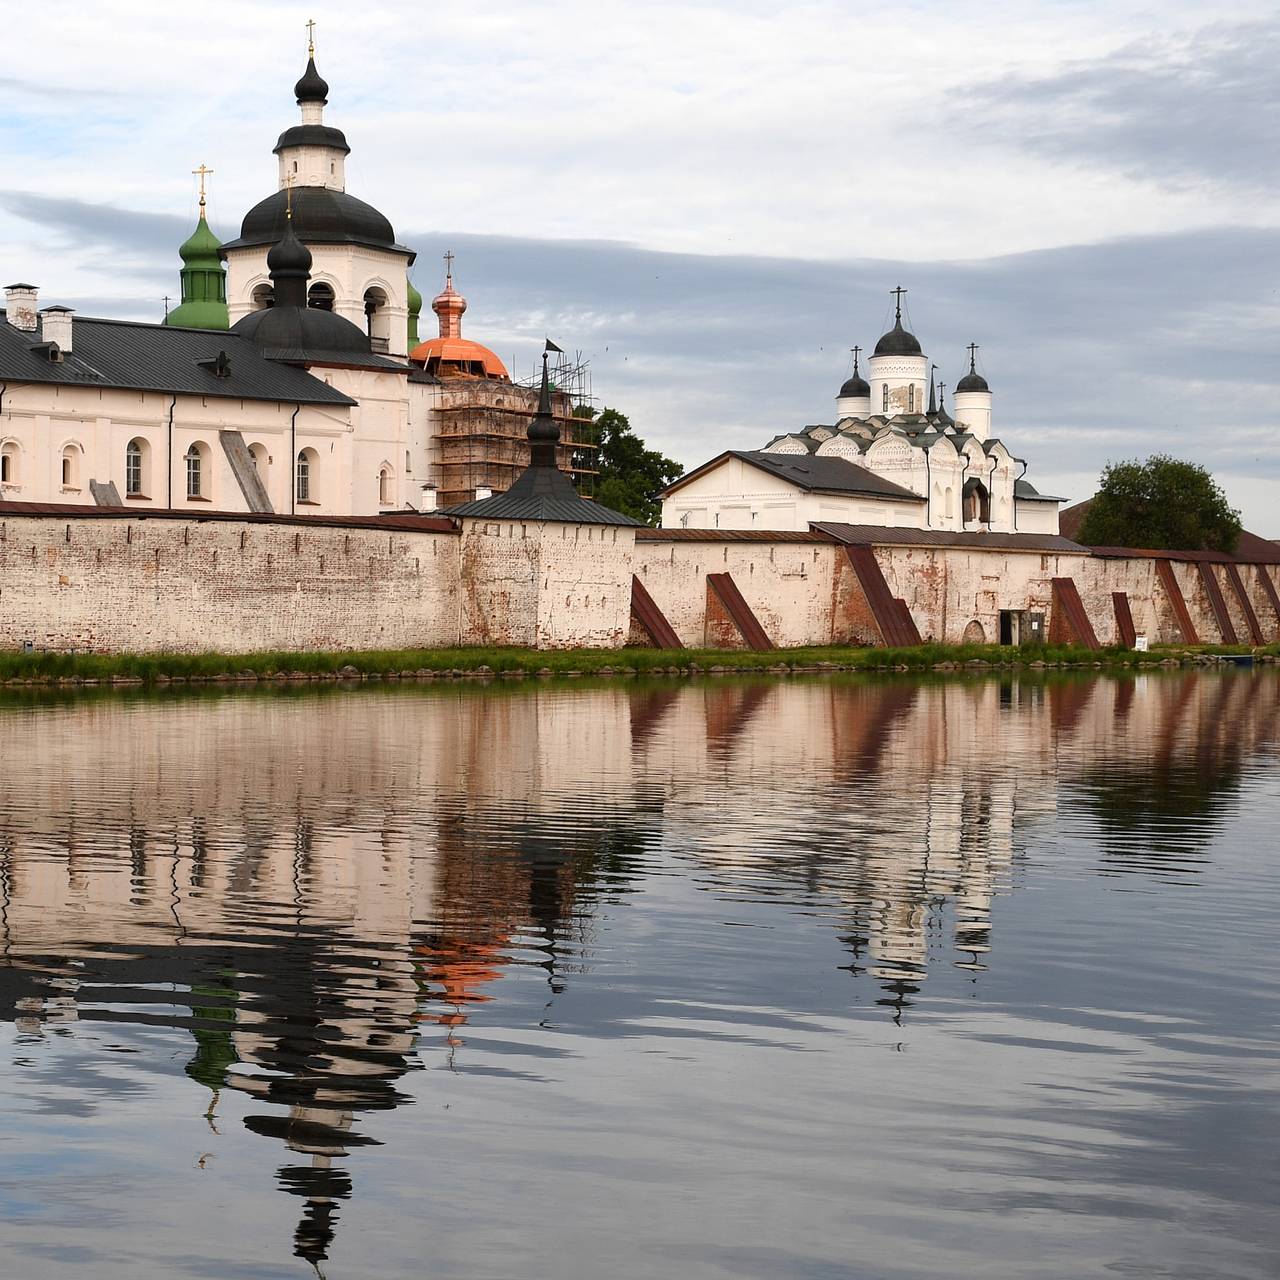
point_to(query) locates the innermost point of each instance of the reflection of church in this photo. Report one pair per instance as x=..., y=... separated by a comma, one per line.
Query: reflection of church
x=321, y=924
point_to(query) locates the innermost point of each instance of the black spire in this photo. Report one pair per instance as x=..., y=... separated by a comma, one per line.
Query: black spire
x=933, y=402
x=544, y=433
x=289, y=263
x=312, y=87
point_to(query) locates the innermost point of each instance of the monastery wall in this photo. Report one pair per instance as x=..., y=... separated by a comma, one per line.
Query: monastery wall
x=546, y=586
x=127, y=582
x=122, y=584
x=802, y=592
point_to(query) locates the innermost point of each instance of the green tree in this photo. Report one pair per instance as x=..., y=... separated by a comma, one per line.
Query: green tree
x=1163, y=504
x=631, y=475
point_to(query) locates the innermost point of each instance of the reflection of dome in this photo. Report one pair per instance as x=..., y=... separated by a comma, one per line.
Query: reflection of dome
x=898, y=342
x=459, y=354
x=321, y=216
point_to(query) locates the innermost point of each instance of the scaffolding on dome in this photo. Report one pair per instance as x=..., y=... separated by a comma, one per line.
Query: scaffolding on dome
x=482, y=444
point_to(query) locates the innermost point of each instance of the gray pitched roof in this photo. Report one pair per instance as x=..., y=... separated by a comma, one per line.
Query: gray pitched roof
x=882, y=536
x=814, y=474
x=1025, y=490
x=154, y=357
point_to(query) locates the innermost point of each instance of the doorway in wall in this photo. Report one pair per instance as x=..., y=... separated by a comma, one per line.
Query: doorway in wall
x=1008, y=627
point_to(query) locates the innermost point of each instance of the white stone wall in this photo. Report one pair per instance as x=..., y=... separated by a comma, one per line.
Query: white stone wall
x=120, y=584
x=43, y=420
x=547, y=586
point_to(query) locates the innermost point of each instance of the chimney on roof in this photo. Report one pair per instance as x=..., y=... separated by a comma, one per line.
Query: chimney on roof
x=55, y=326
x=20, y=306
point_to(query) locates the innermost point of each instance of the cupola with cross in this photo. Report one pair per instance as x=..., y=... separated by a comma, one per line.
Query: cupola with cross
x=204, y=282
x=973, y=399
x=899, y=369
x=359, y=270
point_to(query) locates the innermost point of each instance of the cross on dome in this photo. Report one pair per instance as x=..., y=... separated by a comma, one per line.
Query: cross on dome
x=311, y=37
x=897, y=293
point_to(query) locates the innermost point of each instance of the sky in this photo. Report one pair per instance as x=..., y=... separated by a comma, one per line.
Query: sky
x=711, y=201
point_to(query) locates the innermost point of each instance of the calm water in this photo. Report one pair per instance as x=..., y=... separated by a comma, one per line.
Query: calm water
x=828, y=979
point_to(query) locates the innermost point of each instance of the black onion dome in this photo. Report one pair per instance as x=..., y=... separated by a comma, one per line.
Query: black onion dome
x=320, y=216
x=294, y=331
x=312, y=87
x=898, y=342
x=972, y=381
x=289, y=256
x=312, y=135
x=855, y=386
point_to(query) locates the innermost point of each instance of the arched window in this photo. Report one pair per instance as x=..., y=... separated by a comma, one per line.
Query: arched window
x=976, y=502
x=884, y=407
x=262, y=297
x=71, y=467
x=911, y=397
x=305, y=476
x=198, y=477
x=384, y=487
x=950, y=506
x=9, y=462
x=320, y=296
x=137, y=458
x=261, y=460
x=377, y=322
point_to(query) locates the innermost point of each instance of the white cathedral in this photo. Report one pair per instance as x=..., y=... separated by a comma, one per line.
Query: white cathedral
x=892, y=458
x=292, y=380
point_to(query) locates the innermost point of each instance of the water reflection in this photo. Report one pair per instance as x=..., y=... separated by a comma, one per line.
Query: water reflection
x=322, y=894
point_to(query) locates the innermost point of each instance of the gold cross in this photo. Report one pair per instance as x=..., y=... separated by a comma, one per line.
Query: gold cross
x=203, y=171
x=288, y=195
x=311, y=37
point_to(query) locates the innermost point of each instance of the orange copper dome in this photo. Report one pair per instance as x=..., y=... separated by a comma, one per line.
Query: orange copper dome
x=459, y=355
x=451, y=352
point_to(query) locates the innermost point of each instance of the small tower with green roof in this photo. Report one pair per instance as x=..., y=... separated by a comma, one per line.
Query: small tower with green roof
x=415, y=310
x=204, y=280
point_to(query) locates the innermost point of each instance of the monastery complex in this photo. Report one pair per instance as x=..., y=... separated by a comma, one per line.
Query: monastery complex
x=288, y=461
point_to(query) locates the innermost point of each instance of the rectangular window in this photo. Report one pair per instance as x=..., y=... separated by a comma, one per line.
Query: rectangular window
x=304, y=480
x=66, y=471
x=885, y=407
x=193, y=475
x=133, y=473
x=6, y=470
x=911, y=398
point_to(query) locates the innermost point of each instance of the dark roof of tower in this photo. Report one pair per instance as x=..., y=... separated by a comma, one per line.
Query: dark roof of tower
x=898, y=342
x=289, y=255
x=321, y=216
x=972, y=381
x=312, y=87
x=857, y=385
x=542, y=491
x=310, y=335
x=312, y=135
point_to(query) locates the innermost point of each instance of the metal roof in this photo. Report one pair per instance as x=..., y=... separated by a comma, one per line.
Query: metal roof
x=879, y=536
x=733, y=535
x=541, y=493
x=814, y=474
x=392, y=520
x=126, y=354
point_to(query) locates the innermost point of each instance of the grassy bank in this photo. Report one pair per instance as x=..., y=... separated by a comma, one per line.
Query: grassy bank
x=77, y=668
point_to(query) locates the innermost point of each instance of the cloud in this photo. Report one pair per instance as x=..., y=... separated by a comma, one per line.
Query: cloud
x=1181, y=109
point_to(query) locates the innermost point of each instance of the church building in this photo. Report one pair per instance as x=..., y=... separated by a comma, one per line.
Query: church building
x=291, y=379
x=893, y=457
